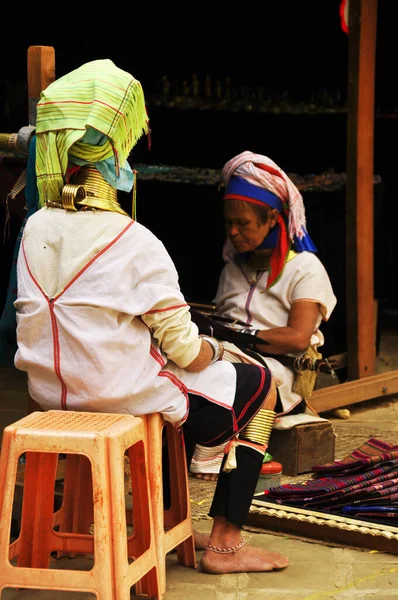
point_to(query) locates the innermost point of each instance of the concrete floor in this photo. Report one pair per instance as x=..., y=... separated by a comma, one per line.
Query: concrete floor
x=317, y=571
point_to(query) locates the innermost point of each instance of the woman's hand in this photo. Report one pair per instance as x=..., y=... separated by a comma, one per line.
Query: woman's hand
x=204, y=358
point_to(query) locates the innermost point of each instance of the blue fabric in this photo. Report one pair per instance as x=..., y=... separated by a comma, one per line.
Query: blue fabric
x=106, y=167
x=304, y=244
x=271, y=240
x=237, y=186
x=8, y=321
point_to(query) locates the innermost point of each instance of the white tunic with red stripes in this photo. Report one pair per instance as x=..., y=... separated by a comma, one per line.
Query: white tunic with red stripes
x=242, y=295
x=86, y=306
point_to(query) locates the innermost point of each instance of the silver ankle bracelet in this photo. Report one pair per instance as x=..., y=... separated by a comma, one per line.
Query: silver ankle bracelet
x=230, y=550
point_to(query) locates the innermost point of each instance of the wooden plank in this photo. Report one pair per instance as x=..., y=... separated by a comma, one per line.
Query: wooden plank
x=361, y=333
x=351, y=392
x=303, y=446
x=312, y=524
x=41, y=72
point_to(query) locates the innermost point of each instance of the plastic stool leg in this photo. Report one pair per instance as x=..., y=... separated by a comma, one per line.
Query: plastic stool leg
x=4, y=462
x=37, y=510
x=174, y=526
x=77, y=511
x=180, y=509
x=137, y=545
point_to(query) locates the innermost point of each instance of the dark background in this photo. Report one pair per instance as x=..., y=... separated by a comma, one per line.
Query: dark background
x=289, y=53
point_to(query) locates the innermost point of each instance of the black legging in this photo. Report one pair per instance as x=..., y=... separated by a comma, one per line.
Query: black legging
x=210, y=425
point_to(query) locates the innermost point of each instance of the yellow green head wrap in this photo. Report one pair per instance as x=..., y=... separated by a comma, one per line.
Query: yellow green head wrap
x=97, y=96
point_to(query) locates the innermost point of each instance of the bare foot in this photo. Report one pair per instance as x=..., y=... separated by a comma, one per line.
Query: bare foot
x=205, y=476
x=201, y=540
x=247, y=559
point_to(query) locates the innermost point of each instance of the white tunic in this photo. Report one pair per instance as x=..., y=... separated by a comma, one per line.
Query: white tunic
x=84, y=307
x=242, y=295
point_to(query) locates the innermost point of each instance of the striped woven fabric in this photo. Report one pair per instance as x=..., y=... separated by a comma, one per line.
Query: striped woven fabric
x=333, y=486
x=367, y=477
x=382, y=485
x=97, y=95
x=371, y=454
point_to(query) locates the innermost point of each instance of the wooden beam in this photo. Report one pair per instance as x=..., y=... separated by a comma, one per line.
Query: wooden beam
x=351, y=392
x=361, y=333
x=41, y=72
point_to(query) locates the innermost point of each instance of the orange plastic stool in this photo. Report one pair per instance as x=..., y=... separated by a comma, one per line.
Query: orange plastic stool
x=103, y=439
x=173, y=526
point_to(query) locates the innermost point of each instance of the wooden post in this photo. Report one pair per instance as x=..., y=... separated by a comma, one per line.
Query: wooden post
x=41, y=72
x=361, y=331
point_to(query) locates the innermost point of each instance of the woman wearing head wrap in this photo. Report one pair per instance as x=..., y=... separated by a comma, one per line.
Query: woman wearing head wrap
x=102, y=324
x=272, y=280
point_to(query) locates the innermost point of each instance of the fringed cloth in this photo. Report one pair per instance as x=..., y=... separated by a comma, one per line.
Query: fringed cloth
x=362, y=485
x=97, y=95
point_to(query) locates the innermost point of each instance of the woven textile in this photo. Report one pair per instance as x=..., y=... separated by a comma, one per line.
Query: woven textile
x=372, y=453
x=367, y=477
x=328, y=488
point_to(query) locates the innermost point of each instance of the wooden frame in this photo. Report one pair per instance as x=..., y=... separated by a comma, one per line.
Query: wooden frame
x=351, y=392
x=318, y=525
x=41, y=72
x=361, y=327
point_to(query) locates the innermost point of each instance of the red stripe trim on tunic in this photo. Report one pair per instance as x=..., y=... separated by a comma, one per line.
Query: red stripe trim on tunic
x=31, y=274
x=160, y=310
x=57, y=355
x=54, y=326
x=157, y=356
x=210, y=399
x=174, y=379
x=94, y=259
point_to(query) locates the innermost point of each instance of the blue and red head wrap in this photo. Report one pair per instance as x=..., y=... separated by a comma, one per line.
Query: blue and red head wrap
x=257, y=179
